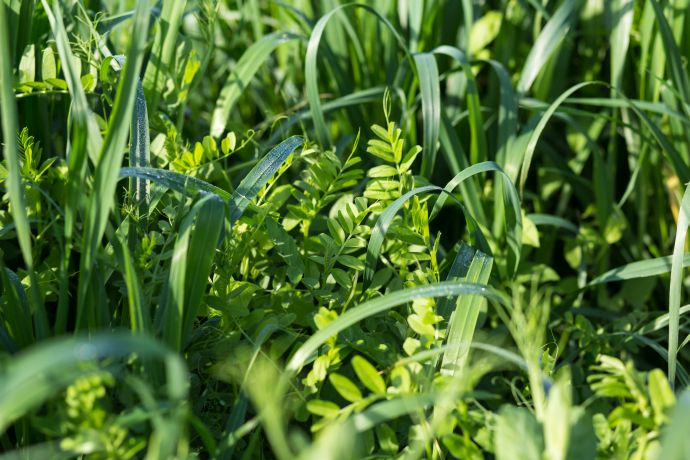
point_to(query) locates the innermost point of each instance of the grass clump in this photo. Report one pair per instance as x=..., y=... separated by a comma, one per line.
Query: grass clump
x=389, y=230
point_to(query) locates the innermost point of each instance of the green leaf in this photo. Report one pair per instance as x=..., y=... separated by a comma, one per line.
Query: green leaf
x=518, y=435
x=345, y=387
x=675, y=441
x=368, y=375
x=27, y=65
x=287, y=250
x=557, y=418
x=48, y=66
x=382, y=171
x=326, y=409
x=484, y=30
x=351, y=262
x=530, y=234
x=390, y=410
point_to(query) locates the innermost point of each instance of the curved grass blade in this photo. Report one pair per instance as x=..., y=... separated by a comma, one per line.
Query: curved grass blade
x=240, y=76
x=381, y=228
x=311, y=73
x=260, y=174
x=527, y=155
x=427, y=73
x=187, y=185
x=513, y=221
x=554, y=221
x=190, y=266
x=661, y=321
x=381, y=304
x=546, y=44
x=357, y=98
x=425, y=355
x=639, y=269
x=108, y=23
x=36, y=374
x=457, y=161
x=478, y=150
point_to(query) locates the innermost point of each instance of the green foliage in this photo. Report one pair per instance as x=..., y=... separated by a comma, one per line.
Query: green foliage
x=287, y=273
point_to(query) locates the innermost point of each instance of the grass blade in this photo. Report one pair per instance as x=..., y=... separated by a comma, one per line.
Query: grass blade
x=181, y=183
x=513, y=221
x=674, y=62
x=311, y=72
x=106, y=175
x=527, y=155
x=241, y=75
x=14, y=184
x=549, y=40
x=161, y=64
x=260, y=174
x=16, y=313
x=478, y=150
x=622, y=12
x=676, y=286
x=381, y=304
x=639, y=269
x=8, y=116
x=463, y=321
x=139, y=314
x=427, y=73
x=191, y=262
x=140, y=155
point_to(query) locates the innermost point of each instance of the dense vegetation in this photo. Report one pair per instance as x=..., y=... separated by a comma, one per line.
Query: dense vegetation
x=307, y=229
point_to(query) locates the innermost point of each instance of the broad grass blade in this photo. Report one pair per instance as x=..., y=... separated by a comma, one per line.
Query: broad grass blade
x=259, y=176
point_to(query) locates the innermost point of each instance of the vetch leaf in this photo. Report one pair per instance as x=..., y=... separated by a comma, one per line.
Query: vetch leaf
x=345, y=387
x=368, y=375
